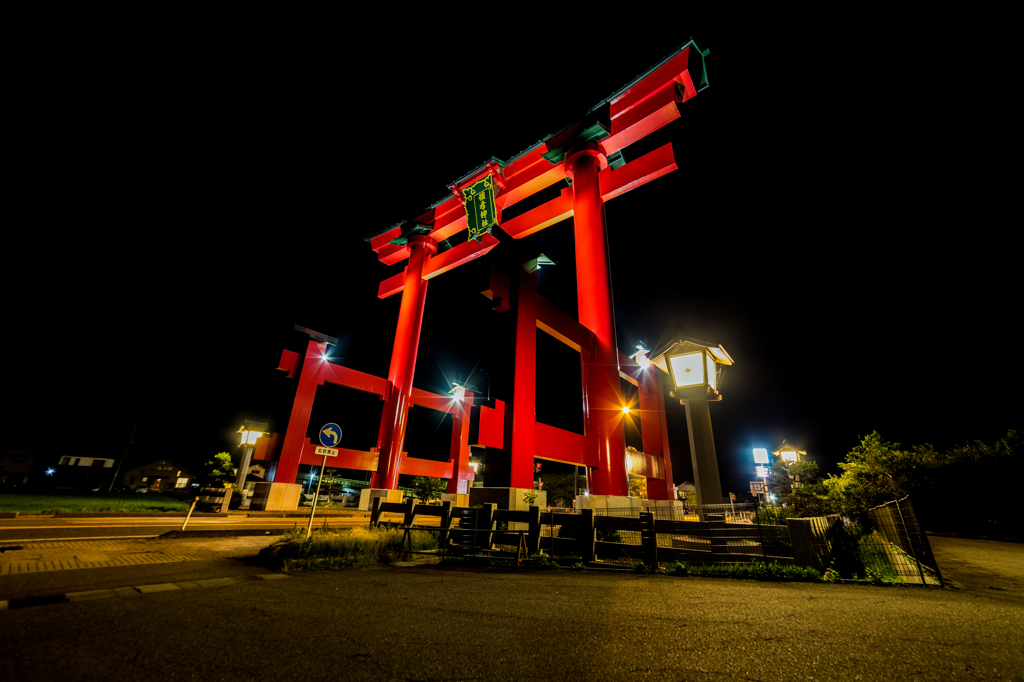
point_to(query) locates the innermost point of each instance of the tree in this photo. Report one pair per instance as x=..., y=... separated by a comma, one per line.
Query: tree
x=564, y=487
x=220, y=467
x=689, y=497
x=638, y=487
x=428, y=487
x=875, y=472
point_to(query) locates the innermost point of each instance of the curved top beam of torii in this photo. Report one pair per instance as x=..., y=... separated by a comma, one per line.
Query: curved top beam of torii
x=648, y=103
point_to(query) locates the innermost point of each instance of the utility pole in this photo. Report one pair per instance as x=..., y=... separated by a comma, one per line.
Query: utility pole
x=123, y=455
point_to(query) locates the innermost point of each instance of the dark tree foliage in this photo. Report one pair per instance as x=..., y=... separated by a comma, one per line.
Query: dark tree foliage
x=428, y=487
x=964, y=489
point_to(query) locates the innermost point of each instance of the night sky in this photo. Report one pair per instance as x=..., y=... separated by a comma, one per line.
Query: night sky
x=188, y=211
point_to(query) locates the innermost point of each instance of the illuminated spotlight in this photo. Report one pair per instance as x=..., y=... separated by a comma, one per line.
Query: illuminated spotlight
x=640, y=356
x=625, y=409
x=458, y=392
x=760, y=456
x=50, y=471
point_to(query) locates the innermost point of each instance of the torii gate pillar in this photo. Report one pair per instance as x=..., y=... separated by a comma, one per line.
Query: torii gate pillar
x=403, y=365
x=602, y=401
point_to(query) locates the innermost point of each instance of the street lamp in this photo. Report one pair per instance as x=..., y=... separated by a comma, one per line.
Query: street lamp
x=695, y=368
x=250, y=432
x=789, y=454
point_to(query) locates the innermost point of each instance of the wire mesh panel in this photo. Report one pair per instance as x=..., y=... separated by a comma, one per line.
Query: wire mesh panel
x=715, y=534
x=619, y=535
x=897, y=547
x=562, y=532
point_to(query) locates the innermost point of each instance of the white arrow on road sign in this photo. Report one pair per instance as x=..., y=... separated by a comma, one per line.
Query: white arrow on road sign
x=330, y=434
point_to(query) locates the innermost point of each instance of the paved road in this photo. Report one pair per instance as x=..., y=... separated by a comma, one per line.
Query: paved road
x=212, y=608
x=24, y=529
x=388, y=623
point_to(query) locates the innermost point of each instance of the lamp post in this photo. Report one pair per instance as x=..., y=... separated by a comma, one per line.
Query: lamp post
x=250, y=432
x=695, y=368
x=761, y=457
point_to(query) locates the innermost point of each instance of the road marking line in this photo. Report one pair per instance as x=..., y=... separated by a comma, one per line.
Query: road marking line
x=102, y=537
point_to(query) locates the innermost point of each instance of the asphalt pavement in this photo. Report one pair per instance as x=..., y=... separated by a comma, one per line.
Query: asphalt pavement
x=431, y=623
x=428, y=622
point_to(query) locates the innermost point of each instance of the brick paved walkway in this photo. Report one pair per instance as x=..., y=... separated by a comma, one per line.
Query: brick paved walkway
x=31, y=557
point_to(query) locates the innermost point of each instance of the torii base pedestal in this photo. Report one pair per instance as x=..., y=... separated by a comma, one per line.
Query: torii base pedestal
x=366, y=496
x=607, y=502
x=275, y=497
x=457, y=499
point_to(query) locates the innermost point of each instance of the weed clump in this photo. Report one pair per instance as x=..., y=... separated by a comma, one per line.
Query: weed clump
x=331, y=550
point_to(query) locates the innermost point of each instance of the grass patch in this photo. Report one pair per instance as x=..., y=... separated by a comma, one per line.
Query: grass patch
x=95, y=502
x=878, y=569
x=331, y=550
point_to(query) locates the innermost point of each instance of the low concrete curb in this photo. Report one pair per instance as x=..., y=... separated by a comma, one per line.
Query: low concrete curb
x=132, y=592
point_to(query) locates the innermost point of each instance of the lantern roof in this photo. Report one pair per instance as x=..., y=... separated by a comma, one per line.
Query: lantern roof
x=685, y=344
x=788, y=448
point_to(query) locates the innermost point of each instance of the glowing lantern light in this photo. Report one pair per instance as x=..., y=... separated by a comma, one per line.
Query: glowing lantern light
x=694, y=366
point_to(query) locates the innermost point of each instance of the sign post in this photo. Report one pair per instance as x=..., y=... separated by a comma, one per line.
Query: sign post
x=330, y=434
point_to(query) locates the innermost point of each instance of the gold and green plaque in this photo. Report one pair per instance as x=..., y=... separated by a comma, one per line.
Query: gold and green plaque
x=481, y=212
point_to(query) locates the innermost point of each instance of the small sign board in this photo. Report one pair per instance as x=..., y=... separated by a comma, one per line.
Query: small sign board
x=481, y=212
x=757, y=487
x=760, y=456
x=326, y=452
x=330, y=434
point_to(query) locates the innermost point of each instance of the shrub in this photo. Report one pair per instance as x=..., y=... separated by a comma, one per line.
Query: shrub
x=543, y=561
x=331, y=550
x=832, y=576
x=608, y=535
x=678, y=568
x=756, y=570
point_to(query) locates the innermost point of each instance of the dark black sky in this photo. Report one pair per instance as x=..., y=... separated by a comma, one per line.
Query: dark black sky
x=188, y=206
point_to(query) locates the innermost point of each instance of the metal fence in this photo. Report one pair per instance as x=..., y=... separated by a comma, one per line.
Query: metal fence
x=725, y=533
x=897, y=547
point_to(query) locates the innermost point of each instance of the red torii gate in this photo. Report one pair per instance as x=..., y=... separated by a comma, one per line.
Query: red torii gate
x=580, y=154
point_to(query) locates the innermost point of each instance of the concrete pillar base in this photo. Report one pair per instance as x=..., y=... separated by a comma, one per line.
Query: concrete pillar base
x=457, y=499
x=607, y=502
x=662, y=503
x=366, y=496
x=275, y=496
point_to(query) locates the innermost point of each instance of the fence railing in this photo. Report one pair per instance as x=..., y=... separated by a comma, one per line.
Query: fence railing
x=896, y=548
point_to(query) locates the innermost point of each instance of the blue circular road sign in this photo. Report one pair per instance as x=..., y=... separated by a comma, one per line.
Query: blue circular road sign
x=330, y=435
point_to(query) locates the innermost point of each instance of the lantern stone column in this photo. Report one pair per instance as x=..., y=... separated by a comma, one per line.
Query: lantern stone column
x=702, y=452
x=602, y=396
x=394, y=420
